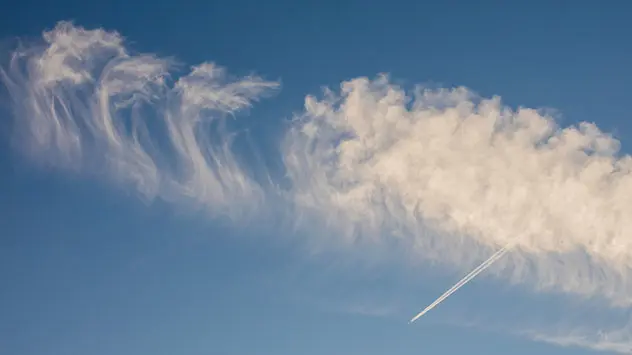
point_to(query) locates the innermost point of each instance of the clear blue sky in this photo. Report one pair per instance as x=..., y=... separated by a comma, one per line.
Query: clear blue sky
x=88, y=270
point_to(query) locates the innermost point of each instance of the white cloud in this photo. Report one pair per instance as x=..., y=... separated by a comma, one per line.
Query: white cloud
x=458, y=177
x=449, y=175
x=83, y=101
x=617, y=341
x=374, y=160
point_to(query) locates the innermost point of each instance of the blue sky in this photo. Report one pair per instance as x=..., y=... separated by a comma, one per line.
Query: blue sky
x=89, y=268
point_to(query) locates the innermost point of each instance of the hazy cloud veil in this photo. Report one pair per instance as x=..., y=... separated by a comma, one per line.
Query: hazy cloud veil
x=372, y=161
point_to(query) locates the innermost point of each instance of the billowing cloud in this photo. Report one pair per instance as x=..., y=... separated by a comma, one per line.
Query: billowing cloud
x=448, y=175
x=374, y=161
x=378, y=160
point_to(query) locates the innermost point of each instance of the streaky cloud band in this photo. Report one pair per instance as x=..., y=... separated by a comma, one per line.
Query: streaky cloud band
x=444, y=172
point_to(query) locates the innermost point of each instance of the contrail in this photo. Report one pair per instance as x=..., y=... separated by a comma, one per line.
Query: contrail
x=487, y=263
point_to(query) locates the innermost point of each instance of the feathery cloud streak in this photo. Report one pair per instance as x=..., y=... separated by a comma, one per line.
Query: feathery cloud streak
x=82, y=101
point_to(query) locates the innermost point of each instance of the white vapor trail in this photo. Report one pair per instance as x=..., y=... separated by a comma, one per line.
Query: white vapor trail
x=443, y=175
x=467, y=278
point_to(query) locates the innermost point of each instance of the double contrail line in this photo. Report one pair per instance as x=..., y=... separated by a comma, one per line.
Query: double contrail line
x=487, y=263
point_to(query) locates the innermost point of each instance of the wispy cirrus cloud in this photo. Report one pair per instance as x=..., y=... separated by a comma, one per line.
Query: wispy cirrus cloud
x=85, y=102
